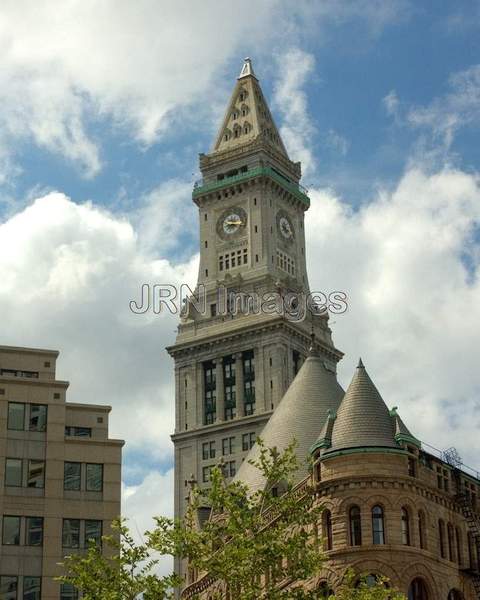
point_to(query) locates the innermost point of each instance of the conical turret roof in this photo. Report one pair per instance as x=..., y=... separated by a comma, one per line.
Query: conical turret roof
x=299, y=415
x=363, y=419
x=248, y=116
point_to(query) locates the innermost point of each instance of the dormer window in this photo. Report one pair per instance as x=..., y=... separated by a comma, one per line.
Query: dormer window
x=244, y=110
x=235, y=116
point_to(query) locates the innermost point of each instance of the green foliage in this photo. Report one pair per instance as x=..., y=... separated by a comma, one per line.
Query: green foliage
x=120, y=571
x=252, y=545
x=355, y=588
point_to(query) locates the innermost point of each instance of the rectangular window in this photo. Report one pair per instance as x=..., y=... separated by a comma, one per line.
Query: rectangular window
x=38, y=417
x=205, y=452
x=208, y=450
x=32, y=588
x=232, y=469
x=16, y=416
x=206, y=474
x=210, y=410
x=213, y=310
x=68, y=592
x=72, y=476
x=93, y=533
x=71, y=533
x=228, y=445
x=11, y=531
x=94, y=477
x=13, y=472
x=248, y=440
x=34, y=531
x=8, y=587
x=36, y=474
x=78, y=431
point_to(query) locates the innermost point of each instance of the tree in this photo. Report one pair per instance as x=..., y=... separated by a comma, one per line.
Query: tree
x=254, y=545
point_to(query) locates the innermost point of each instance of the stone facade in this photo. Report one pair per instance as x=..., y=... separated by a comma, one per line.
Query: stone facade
x=251, y=217
x=409, y=550
x=251, y=211
x=60, y=474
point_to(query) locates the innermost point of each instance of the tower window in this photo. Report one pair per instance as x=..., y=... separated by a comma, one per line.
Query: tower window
x=210, y=399
x=206, y=272
x=355, y=526
x=249, y=381
x=228, y=446
x=256, y=258
x=285, y=263
x=378, y=529
x=327, y=529
x=256, y=229
x=206, y=244
x=405, y=527
x=205, y=217
x=230, y=392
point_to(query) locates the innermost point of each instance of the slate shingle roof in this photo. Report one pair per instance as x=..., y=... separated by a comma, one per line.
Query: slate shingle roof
x=363, y=419
x=299, y=415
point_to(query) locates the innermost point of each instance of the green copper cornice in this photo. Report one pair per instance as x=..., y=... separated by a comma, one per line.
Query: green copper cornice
x=365, y=450
x=296, y=189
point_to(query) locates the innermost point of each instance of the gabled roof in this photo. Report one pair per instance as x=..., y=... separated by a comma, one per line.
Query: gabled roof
x=363, y=419
x=248, y=116
x=299, y=415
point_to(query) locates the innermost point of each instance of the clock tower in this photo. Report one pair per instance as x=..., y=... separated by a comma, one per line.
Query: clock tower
x=234, y=359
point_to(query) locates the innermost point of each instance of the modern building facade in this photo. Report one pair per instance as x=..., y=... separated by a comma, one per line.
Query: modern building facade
x=60, y=475
x=391, y=507
x=233, y=367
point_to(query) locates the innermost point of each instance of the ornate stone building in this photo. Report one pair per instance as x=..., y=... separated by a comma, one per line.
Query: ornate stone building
x=390, y=507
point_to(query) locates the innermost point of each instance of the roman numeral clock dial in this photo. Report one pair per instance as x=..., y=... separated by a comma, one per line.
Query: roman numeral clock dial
x=231, y=223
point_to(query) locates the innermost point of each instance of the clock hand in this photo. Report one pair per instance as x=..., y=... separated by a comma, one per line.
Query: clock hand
x=233, y=222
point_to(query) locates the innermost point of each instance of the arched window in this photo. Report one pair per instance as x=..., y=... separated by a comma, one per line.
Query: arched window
x=422, y=530
x=417, y=590
x=324, y=591
x=368, y=581
x=459, y=544
x=405, y=527
x=441, y=537
x=378, y=529
x=327, y=530
x=355, y=526
x=451, y=543
x=455, y=595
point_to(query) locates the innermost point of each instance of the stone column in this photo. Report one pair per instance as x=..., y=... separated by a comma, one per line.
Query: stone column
x=220, y=389
x=199, y=392
x=239, y=385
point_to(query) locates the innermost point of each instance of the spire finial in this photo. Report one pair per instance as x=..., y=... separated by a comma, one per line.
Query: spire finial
x=247, y=68
x=360, y=364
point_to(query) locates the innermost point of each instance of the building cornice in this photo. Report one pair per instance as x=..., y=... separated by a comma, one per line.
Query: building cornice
x=220, y=426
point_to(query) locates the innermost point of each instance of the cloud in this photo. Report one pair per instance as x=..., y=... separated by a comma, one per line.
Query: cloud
x=68, y=273
x=143, y=67
x=409, y=262
x=440, y=121
x=154, y=496
x=295, y=67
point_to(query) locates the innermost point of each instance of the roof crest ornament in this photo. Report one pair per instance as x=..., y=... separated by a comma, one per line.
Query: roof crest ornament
x=247, y=68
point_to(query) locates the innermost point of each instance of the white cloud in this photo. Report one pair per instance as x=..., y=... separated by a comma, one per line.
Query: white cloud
x=153, y=497
x=67, y=65
x=68, y=272
x=295, y=67
x=409, y=261
x=442, y=119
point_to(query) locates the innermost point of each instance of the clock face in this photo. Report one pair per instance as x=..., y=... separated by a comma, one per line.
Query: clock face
x=231, y=223
x=285, y=226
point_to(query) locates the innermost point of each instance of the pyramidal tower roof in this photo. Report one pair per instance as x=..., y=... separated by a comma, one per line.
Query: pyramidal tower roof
x=300, y=415
x=248, y=116
x=363, y=419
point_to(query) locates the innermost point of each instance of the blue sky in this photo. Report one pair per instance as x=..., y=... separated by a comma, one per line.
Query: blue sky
x=103, y=112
